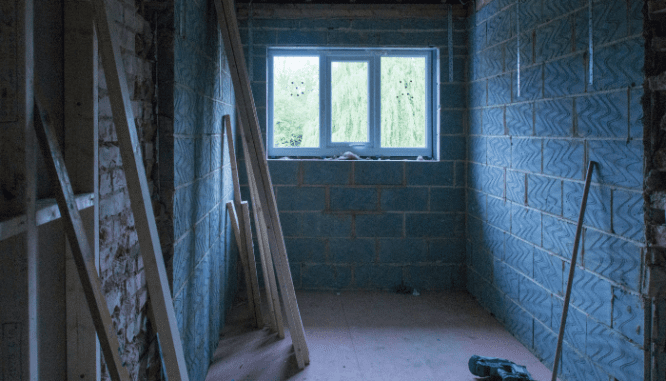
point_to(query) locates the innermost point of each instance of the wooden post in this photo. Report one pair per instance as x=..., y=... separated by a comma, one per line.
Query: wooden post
x=240, y=241
x=264, y=250
x=81, y=158
x=572, y=269
x=244, y=246
x=137, y=185
x=76, y=235
x=226, y=17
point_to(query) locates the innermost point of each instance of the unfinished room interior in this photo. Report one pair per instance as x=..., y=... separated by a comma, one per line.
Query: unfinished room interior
x=329, y=190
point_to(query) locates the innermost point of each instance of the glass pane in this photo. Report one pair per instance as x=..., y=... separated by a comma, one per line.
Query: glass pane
x=296, y=101
x=403, y=110
x=349, y=103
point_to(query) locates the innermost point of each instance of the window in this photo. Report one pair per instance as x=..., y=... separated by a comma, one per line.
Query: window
x=373, y=102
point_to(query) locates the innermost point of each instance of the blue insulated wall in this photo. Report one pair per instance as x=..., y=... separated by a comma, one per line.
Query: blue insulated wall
x=194, y=93
x=535, y=120
x=371, y=224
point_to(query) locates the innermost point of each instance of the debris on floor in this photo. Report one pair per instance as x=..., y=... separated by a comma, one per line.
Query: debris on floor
x=498, y=369
x=402, y=288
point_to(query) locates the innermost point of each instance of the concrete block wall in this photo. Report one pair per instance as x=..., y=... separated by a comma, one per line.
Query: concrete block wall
x=528, y=147
x=195, y=176
x=370, y=224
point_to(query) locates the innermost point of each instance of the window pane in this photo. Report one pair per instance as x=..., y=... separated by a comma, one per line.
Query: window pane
x=296, y=101
x=349, y=103
x=403, y=109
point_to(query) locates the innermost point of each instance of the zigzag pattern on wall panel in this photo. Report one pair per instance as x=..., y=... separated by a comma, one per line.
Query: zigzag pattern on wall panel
x=558, y=236
x=611, y=257
x=603, y=115
x=591, y=294
x=619, y=163
x=565, y=76
x=520, y=255
x=619, y=65
x=563, y=158
x=628, y=214
x=554, y=118
x=617, y=356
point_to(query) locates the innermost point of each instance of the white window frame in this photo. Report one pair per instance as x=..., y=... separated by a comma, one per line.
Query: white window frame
x=373, y=147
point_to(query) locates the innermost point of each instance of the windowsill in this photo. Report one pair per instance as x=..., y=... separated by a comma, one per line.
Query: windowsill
x=317, y=158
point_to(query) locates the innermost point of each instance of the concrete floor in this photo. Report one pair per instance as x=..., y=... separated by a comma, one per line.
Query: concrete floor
x=372, y=336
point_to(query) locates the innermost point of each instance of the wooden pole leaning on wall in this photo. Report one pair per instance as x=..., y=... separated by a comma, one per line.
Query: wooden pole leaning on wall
x=226, y=17
x=80, y=247
x=264, y=248
x=245, y=249
x=137, y=184
x=572, y=268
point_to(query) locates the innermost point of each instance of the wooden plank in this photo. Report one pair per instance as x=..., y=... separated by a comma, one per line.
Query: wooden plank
x=250, y=125
x=264, y=250
x=81, y=251
x=256, y=299
x=137, y=185
x=249, y=251
x=572, y=269
x=240, y=242
x=81, y=157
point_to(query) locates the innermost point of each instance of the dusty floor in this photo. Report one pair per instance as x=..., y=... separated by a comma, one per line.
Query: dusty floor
x=372, y=336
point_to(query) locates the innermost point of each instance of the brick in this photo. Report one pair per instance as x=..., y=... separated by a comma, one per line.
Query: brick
x=404, y=199
x=492, y=181
x=430, y=277
x=612, y=257
x=526, y=154
x=548, y=271
x=201, y=239
x=451, y=121
x=636, y=113
x=461, y=174
x=597, y=211
x=577, y=366
x=306, y=249
x=499, y=152
x=620, y=65
x=520, y=255
x=545, y=194
x=576, y=326
x=628, y=214
x=554, y=118
x=499, y=90
x=445, y=225
x=478, y=94
x=619, y=163
x=453, y=148
x=444, y=250
x=565, y=76
x=489, y=62
x=406, y=251
x=603, y=115
x=452, y=95
x=447, y=199
x=319, y=277
x=629, y=315
x=500, y=27
x=591, y=294
x=326, y=172
x=526, y=51
x=558, y=236
x=563, y=158
x=297, y=37
x=622, y=359
x=283, y=172
x=553, y=39
x=530, y=14
x=610, y=21
x=477, y=149
x=507, y=280
x=515, y=187
x=520, y=119
x=315, y=224
x=357, y=199
x=375, y=277
x=337, y=37
x=482, y=262
x=499, y=213
x=493, y=241
x=477, y=204
x=298, y=198
x=355, y=250
x=526, y=224
x=429, y=173
x=545, y=342
x=379, y=225
x=380, y=173
x=330, y=24
x=520, y=324
x=535, y=299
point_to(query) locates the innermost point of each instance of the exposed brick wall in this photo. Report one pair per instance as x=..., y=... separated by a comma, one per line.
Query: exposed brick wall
x=370, y=224
x=655, y=184
x=121, y=267
x=195, y=175
x=527, y=158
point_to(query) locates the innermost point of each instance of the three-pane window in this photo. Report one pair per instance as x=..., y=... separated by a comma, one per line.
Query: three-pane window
x=373, y=102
